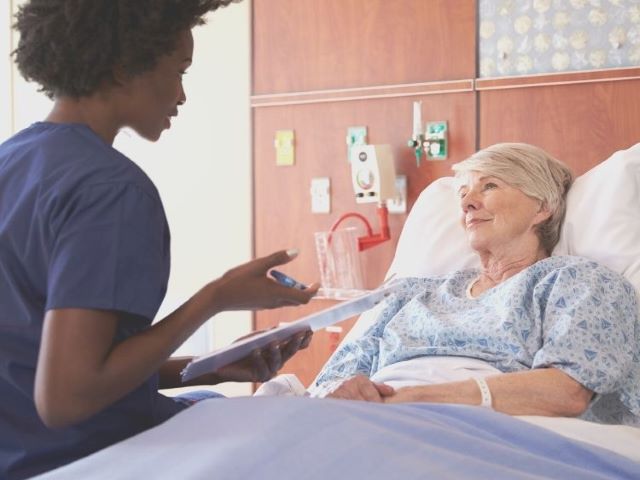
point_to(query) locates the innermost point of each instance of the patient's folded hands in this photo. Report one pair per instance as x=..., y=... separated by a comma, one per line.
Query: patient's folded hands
x=362, y=388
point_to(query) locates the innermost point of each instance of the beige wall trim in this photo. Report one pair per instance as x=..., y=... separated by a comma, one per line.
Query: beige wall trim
x=440, y=88
x=365, y=93
x=551, y=79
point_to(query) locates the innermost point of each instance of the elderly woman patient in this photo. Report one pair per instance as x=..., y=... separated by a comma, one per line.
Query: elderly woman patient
x=526, y=334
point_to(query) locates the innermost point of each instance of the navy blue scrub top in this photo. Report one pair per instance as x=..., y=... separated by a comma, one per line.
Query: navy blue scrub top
x=81, y=226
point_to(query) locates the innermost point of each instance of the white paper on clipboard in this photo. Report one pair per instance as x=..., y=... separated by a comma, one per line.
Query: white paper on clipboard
x=224, y=356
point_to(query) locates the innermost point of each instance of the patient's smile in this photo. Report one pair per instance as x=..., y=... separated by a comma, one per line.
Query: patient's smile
x=473, y=222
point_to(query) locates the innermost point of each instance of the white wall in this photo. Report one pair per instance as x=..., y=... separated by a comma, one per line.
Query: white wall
x=6, y=106
x=201, y=166
x=28, y=105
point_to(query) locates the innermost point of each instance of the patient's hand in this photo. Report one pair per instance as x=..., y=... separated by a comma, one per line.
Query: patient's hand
x=361, y=388
x=404, y=395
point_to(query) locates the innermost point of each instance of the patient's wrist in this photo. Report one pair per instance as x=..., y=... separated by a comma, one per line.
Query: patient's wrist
x=486, y=400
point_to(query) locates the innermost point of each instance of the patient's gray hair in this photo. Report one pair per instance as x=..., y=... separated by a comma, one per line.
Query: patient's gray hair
x=532, y=171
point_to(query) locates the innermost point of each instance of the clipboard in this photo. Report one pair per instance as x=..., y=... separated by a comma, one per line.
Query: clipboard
x=226, y=355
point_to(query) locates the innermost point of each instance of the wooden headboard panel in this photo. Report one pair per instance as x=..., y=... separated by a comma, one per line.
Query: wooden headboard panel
x=581, y=118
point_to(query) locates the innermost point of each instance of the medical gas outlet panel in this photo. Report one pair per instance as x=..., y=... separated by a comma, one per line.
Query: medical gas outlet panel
x=373, y=173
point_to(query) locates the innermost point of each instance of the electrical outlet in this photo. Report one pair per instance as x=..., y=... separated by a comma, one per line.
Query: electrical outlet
x=398, y=204
x=320, y=195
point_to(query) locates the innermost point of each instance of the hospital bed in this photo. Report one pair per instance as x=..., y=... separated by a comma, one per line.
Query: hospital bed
x=298, y=437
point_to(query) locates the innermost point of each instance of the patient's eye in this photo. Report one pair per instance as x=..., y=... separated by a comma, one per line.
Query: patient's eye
x=490, y=186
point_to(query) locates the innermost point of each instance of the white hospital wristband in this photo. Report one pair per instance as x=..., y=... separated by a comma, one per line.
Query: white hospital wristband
x=484, y=392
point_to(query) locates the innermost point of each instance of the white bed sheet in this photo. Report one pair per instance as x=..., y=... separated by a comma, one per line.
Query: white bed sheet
x=622, y=439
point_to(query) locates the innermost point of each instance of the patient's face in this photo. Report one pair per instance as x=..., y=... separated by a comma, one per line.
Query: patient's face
x=497, y=216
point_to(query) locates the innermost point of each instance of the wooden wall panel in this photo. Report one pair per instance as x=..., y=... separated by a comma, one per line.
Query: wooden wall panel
x=329, y=48
x=302, y=45
x=581, y=124
x=282, y=207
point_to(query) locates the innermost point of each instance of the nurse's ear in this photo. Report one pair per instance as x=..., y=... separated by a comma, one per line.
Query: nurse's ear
x=120, y=76
x=124, y=86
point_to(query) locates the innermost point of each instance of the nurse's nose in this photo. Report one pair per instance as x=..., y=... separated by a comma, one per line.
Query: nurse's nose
x=182, y=99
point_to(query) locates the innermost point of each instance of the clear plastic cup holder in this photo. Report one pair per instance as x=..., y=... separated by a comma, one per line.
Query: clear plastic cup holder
x=339, y=262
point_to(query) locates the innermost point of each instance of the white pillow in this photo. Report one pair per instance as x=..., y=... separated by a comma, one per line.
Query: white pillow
x=603, y=215
x=602, y=223
x=433, y=241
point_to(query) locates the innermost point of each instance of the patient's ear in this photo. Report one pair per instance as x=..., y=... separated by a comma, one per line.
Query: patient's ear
x=543, y=214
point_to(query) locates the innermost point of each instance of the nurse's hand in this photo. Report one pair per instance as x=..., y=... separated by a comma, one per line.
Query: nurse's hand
x=247, y=286
x=263, y=364
x=361, y=388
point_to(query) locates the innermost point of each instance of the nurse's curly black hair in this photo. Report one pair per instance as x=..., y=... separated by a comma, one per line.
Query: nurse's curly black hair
x=70, y=47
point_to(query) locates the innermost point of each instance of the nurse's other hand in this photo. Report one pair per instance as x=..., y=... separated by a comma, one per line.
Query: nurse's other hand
x=361, y=388
x=247, y=286
x=263, y=364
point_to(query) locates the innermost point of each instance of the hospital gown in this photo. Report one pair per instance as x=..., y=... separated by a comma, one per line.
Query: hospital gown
x=565, y=312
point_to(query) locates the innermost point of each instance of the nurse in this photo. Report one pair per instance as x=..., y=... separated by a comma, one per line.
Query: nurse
x=84, y=242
